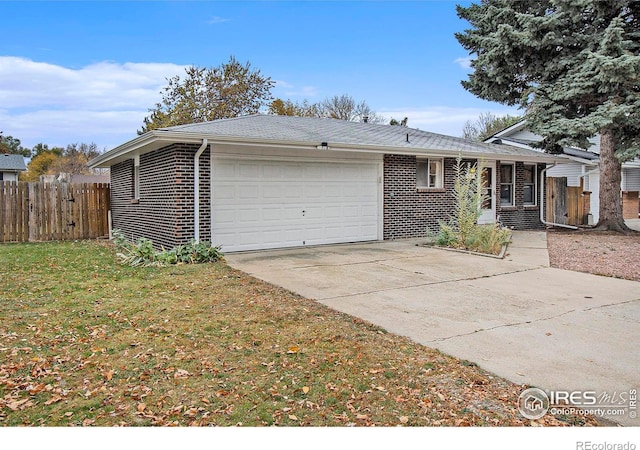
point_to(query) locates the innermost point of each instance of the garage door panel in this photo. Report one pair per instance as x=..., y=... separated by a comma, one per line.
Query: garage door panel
x=247, y=192
x=275, y=204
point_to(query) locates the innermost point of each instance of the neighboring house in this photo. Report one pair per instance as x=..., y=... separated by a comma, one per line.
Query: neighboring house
x=581, y=169
x=11, y=166
x=266, y=181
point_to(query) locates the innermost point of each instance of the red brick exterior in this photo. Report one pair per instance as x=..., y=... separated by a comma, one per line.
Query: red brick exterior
x=630, y=204
x=519, y=216
x=164, y=212
x=407, y=212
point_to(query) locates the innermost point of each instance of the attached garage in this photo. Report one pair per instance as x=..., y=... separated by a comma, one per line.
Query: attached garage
x=284, y=203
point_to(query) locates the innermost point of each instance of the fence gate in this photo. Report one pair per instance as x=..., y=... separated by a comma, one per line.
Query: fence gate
x=53, y=211
x=565, y=204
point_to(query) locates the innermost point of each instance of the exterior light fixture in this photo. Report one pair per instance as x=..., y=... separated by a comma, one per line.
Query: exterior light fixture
x=323, y=146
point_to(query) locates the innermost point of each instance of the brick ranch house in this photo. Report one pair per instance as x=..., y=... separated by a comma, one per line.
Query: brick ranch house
x=266, y=181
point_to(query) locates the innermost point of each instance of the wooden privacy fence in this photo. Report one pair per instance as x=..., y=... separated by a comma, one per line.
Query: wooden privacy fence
x=32, y=212
x=566, y=205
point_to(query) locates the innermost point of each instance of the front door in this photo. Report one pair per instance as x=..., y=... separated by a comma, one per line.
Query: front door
x=488, y=210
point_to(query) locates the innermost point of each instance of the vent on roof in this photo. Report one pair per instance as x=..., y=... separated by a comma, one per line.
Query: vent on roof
x=365, y=119
x=497, y=141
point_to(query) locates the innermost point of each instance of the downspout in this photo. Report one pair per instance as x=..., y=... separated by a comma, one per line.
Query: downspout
x=542, y=192
x=196, y=191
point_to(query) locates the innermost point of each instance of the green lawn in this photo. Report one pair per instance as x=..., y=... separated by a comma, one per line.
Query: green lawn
x=85, y=341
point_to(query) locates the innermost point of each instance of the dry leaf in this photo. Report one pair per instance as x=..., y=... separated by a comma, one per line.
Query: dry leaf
x=305, y=389
x=141, y=407
x=292, y=417
x=293, y=349
x=404, y=419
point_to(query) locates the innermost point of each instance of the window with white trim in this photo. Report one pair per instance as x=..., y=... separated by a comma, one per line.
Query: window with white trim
x=429, y=173
x=136, y=177
x=530, y=185
x=507, y=172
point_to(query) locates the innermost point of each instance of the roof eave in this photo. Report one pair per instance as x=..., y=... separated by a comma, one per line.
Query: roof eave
x=155, y=139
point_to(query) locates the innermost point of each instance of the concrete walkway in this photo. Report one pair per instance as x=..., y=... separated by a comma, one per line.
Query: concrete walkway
x=516, y=317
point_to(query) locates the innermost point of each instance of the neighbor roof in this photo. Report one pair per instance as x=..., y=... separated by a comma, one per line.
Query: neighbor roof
x=311, y=132
x=12, y=163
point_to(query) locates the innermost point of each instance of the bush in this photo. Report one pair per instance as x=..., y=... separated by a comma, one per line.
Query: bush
x=142, y=252
x=463, y=231
x=488, y=239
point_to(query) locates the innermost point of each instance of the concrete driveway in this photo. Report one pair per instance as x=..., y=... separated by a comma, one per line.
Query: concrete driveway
x=516, y=317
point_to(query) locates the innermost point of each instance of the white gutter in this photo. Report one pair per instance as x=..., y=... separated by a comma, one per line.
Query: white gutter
x=196, y=191
x=542, y=192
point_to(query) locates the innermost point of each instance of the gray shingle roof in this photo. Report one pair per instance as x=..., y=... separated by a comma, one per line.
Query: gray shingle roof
x=336, y=132
x=12, y=162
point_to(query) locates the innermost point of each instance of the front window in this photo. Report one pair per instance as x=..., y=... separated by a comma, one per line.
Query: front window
x=529, y=185
x=506, y=185
x=429, y=174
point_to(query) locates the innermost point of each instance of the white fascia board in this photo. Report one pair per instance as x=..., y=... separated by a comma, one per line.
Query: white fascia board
x=515, y=127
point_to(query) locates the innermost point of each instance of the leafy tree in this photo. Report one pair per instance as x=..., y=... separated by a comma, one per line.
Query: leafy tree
x=344, y=107
x=281, y=107
x=75, y=158
x=11, y=145
x=72, y=159
x=41, y=148
x=341, y=107
x=229, y=90
x=402, y=123
x=42, y=164
x=574, y=66
x=486, y=125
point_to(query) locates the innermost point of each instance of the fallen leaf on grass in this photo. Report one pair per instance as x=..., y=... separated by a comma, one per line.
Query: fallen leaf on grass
x=54, y=399
x=293, y=349
x=305, y=389
x=141, y=407
x=181, y=373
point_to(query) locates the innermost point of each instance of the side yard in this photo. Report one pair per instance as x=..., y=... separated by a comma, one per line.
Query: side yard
x=599, y=253
x=84, y=341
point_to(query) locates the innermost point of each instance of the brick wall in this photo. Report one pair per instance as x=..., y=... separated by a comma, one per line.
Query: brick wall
x=630, y=204
x=519, y=216
x=407, y=211
x=164, y=212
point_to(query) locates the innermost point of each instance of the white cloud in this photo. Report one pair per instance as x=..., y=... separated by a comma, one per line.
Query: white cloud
x=103, y=102
x=442, y=119
x=288, y=90
x=216, y=19
x=465, y=62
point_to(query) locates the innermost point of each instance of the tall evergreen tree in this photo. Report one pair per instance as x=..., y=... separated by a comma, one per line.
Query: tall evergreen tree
x=574, y=67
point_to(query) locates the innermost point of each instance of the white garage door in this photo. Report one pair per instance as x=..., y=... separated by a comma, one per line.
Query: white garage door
x=274, y=204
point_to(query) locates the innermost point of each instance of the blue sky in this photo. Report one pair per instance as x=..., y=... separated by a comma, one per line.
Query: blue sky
x=86, y=71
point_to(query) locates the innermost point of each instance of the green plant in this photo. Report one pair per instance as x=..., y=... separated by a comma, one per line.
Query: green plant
x=488, y=239
x=463, y=231
x=142, y=252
